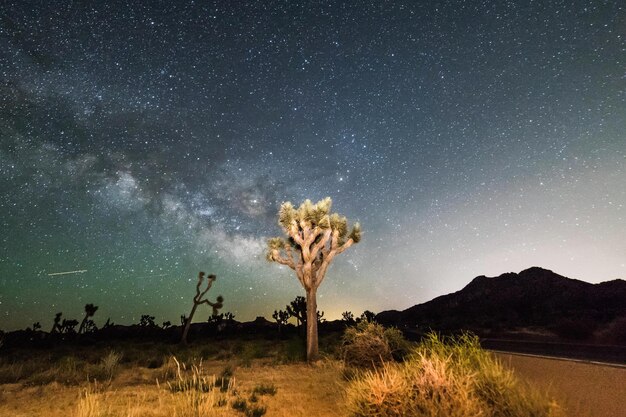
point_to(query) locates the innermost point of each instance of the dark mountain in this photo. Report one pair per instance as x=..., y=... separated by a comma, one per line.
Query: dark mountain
x=535, y=297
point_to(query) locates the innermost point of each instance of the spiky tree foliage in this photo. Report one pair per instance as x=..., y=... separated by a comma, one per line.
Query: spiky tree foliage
x=90, y=310
x=147, y=320
x=36, y=326
x=314, y=236
x=297, y=310
x=199, y=299
x=348, y=318
x=68, y=326
x=281, y=317
x=166, y=324
x=56, y=327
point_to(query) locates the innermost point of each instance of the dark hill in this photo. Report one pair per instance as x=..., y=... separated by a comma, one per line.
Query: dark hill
x=535, y=297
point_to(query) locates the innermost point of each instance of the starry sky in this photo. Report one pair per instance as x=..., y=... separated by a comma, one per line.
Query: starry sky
x=142, y=142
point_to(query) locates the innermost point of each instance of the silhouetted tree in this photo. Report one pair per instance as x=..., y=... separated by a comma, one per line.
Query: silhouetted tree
x=147, y=321
x=90, y=310
x=368, y=316
x=90, y=327
x=36, y=326
x=199, y=299
x=297, y=310
x=282, y=318
x=166, y=324
x=320, y=317
x=229, y=316
x=183, y=319
x=316, y=236
x=348, y=318
x=68, y=326
x=56, y=327
x=108, y=324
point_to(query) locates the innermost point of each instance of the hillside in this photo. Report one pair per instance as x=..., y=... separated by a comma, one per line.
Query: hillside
x=535, y=297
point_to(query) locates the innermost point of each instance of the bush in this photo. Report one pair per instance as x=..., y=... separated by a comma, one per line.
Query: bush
x=451, y=378
x=369, y=344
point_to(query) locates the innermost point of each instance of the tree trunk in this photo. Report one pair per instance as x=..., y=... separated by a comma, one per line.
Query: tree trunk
x=82, y=324
x=312, y=349
x=188, y=324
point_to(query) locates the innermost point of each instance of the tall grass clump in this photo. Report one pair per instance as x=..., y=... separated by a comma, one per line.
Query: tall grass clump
x=369, y=344
x=451, y=377
x=195, y=394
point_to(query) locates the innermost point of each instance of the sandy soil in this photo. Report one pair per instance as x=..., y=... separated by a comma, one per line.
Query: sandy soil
x=584, y=389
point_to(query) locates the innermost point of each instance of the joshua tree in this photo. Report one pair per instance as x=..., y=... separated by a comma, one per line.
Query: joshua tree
x=56, y=327
x=147, y=320
x=166, y=324
x=229, y=316
x=68, y=326
x=297, y=309
x=314, y=236
x=183, y=319
x=199, y=299
x=90, y=310
x=368, y=316
x=281, y=317
x=348, y=317
x=36, y=326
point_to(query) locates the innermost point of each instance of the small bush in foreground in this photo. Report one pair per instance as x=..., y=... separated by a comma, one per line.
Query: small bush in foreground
x=449, y=378
x=369, y=345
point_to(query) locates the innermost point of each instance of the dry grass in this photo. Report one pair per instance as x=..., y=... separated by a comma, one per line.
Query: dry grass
x=297, y=389
x=452, y=378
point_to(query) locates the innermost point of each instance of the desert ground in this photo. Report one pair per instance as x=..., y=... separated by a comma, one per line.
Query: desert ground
x=265, y=376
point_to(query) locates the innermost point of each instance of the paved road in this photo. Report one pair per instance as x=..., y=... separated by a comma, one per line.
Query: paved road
x=592, y=353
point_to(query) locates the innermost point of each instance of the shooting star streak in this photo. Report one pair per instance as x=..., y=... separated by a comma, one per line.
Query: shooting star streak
x=151, y=276
x=80, y=271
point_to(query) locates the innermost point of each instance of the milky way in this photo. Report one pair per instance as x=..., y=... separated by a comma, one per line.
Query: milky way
x=142, y=142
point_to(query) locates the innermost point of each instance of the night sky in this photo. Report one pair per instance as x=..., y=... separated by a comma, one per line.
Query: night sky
x=142, y=142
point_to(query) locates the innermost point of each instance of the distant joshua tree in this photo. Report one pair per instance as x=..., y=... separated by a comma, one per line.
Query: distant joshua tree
x=368, y=316
x=69, y=326
x=316, y=236
x=166, y=324
x=36, y=326
x=282, y=318
x=56, y=327
x=229, y=316
x=348, y=318
x=90, y=310
x=147, y=321
x=199, y=299
x=183, y=319
x=297, y=310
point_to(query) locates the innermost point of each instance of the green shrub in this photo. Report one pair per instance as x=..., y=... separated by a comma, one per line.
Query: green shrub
x=445, y=377
x=369, y=344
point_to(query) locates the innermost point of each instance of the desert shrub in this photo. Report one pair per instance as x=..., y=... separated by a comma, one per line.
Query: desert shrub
x=369, y=344
x=256, y=411
x=445, y=377
x=265, y=389
x=240, y=404
x=110, y=364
